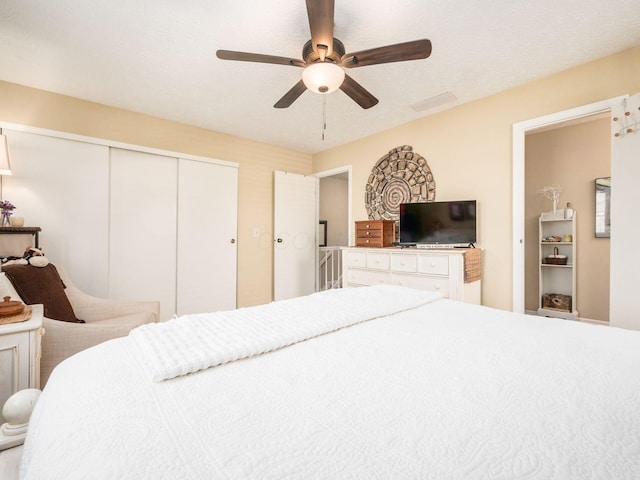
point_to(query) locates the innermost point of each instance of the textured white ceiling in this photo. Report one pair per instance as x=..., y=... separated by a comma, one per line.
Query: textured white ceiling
x=158, y=56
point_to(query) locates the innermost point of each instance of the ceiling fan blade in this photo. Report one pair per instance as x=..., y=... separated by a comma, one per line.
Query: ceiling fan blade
x=259, y=58
x=399, y=52
x=358, y=93
x=291, y=96
x=320, y=14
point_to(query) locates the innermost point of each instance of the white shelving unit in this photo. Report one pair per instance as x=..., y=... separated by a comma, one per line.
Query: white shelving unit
x=557, y=279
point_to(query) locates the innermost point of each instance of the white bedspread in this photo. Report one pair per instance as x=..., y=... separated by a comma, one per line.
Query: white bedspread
x=443, y=391
x=195, y=342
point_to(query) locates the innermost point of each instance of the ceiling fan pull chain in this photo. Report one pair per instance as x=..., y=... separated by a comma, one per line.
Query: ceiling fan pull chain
x=324, y=115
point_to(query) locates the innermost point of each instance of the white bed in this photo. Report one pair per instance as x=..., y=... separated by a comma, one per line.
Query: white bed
x=443, y=390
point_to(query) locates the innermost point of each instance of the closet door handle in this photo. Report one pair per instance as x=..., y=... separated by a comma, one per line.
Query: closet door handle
x=233, y=240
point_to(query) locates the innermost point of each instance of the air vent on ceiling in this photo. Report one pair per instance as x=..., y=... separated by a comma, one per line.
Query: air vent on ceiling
x=433, y=102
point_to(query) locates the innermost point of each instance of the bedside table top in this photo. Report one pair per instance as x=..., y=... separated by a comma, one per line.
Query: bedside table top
x=20, y=229
x=33, y=323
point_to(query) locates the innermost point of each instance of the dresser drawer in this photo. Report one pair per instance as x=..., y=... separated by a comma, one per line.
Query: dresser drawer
x=433, y=264
x=370, y=242
x=404, y=263
x=362, y=232
x=366, y=277
x=378, y=261
x=422, y=282
x=356, y=259
x=364, y=226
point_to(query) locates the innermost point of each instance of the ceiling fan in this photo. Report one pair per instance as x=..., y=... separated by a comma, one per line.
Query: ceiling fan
x=325, y=59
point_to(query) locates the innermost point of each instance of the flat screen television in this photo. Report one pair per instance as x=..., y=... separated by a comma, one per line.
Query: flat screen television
x=438, y=223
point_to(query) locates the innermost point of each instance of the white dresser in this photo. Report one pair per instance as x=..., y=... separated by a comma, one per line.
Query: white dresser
x=454, y=272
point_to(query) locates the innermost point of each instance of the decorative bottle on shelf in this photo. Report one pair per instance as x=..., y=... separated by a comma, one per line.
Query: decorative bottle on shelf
x=568, y=212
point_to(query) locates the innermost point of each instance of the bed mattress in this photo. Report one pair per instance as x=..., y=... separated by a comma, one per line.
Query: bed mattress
x=444, y=390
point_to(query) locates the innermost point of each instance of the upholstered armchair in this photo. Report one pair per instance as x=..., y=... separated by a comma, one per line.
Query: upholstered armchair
x=103, y=319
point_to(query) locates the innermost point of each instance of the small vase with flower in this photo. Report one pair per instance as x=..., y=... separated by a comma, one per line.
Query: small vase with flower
x=6, y=210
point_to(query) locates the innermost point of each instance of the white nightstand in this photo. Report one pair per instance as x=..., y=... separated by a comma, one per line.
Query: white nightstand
x=10, y=463
x=20, y=355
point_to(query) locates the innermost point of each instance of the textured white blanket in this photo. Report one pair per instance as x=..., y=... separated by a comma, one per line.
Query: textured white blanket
x=195, y=342
x=445, y=391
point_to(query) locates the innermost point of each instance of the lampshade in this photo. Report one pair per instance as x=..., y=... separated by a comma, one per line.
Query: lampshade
x=323, y=77
x=5, y=166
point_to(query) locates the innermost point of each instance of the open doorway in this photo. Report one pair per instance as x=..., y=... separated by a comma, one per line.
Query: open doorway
x=520, y=130
x=334, y=208
x=569, y=156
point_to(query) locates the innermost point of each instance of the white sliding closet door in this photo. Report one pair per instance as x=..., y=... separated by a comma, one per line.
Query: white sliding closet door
x=62, y=186
x=142, y=261
x=207, y=237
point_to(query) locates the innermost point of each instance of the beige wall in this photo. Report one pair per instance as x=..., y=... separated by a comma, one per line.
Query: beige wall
x=571, y=157
x=334, y=201
x=469, y=151
x=27, y=106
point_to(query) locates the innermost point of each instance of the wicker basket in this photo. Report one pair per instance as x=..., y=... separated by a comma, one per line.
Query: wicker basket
x=557, y=301
x=555, y=259
x=472, y=265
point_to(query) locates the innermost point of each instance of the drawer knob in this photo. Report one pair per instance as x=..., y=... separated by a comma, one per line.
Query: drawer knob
x=437, y=287
x=367, y=241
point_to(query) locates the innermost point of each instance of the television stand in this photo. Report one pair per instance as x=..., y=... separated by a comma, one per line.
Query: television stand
x=454, y=272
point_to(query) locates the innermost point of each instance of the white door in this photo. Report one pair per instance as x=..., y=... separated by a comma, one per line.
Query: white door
x=624, y=307
x=295, y=228
x=207, y=233
x=142, y=260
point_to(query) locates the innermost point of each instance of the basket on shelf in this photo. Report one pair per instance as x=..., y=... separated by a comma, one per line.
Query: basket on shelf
x=556, y=258
x=557, y=301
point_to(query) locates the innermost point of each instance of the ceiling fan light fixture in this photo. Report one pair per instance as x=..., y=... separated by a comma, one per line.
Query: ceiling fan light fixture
x=324, y=77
